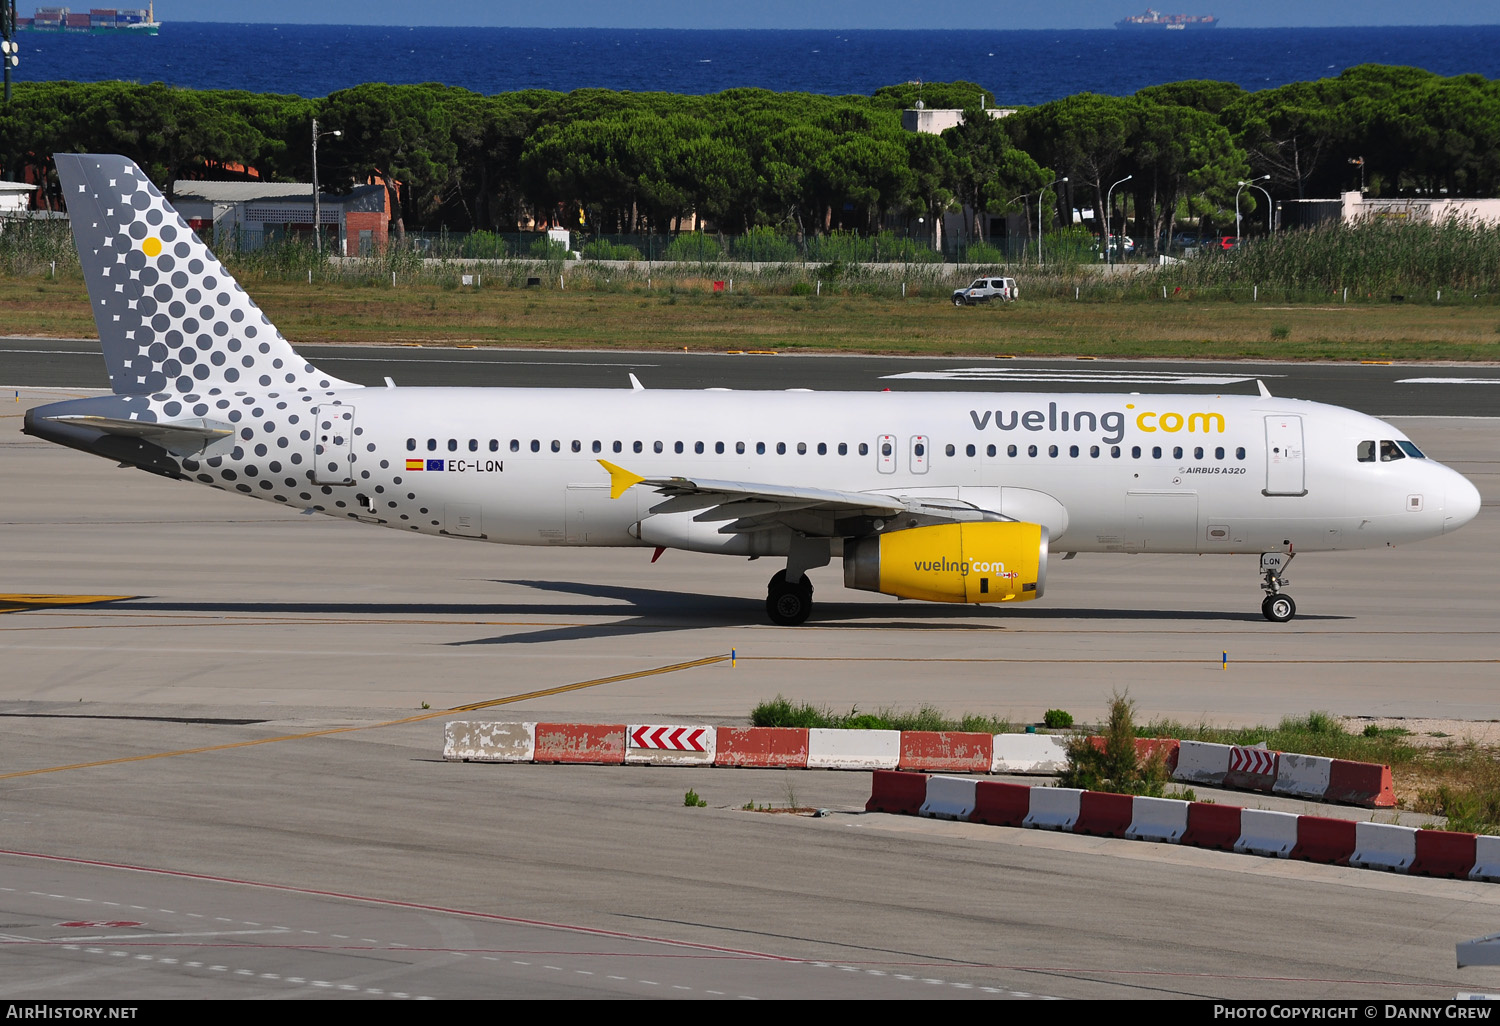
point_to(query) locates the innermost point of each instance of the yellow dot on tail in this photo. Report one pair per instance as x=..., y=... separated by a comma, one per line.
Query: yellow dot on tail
x=151, y=246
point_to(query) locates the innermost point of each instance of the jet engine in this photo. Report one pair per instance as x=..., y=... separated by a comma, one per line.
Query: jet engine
x=966, y=562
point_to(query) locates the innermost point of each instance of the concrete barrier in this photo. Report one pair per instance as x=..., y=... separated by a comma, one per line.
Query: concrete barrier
x=1157, y=819
x=898, y=793
x=1486, y=858
x=946, y=751
x=1443, y=853
x=1303, y=775
x=853, y=749
x=763, y=747
x=1053, y=808
x=1202, y=762
x=1212, y=826
x=1251, y=768
x=949, y=798
x=1267, y=833
x=1384, y=846
x=487, y=741
x=1042, y=754
x=597, y=743
x=670, y=744
x=1320, y=839
x=1001, y=804
x=1103, y=815
x=1361, y=783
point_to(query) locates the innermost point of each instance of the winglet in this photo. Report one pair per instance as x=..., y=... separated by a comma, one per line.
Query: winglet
x=1265, y=393
x=620, y=479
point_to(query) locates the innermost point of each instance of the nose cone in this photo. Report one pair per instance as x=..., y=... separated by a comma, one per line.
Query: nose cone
x=1460, y=505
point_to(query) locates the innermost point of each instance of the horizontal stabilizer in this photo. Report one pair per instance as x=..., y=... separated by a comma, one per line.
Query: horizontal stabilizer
x=183, y=437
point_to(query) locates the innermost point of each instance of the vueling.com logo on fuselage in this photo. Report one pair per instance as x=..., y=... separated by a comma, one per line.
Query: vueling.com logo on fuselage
x=962, y=567
x=1111, y=423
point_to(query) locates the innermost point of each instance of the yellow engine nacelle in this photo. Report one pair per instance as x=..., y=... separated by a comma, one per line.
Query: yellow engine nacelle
x=970, y=562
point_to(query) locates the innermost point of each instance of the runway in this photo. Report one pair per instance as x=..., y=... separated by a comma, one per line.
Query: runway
x=260, y=728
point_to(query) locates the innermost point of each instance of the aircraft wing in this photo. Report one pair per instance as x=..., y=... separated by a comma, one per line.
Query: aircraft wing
x=753, y=506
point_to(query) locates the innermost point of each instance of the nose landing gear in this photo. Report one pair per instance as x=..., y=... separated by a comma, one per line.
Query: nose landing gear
x=1277, y=607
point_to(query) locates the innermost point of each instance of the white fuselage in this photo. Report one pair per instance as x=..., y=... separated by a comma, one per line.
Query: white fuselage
x=1110, y=473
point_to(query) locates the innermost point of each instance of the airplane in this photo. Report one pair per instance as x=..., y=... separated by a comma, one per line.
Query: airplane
x=947, y=497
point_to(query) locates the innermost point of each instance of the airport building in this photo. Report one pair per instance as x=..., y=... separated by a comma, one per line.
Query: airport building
x=247, y=215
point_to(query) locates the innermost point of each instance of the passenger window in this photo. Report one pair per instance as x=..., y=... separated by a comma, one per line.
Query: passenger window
x=1135, y=452
x=760, y=448
x=1239, y=453
x=801, y=448
x=1031, y=450
x=432, y=445
x=1114, y=451
x=843, y=448
x=1010, y=450
x=781, y=448
x=969, y=450
x=618, y=445
x=1052, y=451
x=1390, y=451
x=989, y=450
x=453, y=445
x=598, y=445
x=1073, y=451
x=822, y=448
x=656, y=446
x=885, y=449
x=864, y=448
x=1219, y=453
x=556, y=445
x=638, y=446
x=411, y=445
x=719, y=448
x=677, y=447
x=577, y=445
x=1366, y=451
x=921, y=450
x=1198, y=452
x=739, y=447
x=1156, y=452
x=1177, y=452
x=536, y=446
x=949, y=450
x=698, y=448
x=515, y=445
x=473, y=445
x=1094, y=451
x=495, y=444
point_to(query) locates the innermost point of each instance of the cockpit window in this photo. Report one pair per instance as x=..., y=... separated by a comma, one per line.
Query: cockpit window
x=1366, y=451
x=1410, y=450
x=1389, y=450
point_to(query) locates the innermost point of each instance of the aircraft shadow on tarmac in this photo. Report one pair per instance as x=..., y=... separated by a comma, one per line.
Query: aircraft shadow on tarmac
x=653, y=611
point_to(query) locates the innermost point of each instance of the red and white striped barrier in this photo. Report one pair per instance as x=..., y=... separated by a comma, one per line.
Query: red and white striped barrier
x=1399, y=849
x=1193, y=762
x=654, y=744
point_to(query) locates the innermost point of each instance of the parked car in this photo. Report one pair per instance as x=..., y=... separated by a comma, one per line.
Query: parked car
x=985, y=289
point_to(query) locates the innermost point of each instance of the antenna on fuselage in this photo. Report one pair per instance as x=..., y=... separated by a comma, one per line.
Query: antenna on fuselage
x=1265, y=393
x=635, y=384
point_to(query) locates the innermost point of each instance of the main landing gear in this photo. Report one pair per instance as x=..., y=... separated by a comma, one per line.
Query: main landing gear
x=789, y=595
x=1277, y=607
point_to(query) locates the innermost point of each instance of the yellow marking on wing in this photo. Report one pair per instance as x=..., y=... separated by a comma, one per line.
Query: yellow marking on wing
x=620, y=479
x=21, y=603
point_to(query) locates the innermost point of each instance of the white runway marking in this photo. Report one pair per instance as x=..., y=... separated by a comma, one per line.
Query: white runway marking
x=1448, y=381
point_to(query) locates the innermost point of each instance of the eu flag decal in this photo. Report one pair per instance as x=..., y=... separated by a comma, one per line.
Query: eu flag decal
x=434, y=464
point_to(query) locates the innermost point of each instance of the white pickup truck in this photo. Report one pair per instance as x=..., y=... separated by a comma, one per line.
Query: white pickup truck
x=985, y=289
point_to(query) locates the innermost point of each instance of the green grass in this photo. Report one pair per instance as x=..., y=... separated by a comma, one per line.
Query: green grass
x=781, y=712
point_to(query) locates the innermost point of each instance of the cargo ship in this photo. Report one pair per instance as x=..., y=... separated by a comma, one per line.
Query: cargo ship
x=137, y=21
x=1156, y=20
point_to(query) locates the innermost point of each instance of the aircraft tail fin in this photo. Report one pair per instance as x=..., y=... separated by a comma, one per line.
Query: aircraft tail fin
x=171, y=319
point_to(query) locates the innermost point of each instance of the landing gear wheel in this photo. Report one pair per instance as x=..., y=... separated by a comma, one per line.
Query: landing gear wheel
x=788, y=605
x=1278, y=608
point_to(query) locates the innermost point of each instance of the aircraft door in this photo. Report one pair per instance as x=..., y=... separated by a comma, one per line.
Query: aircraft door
x=1285, y=471
x=333, y=445
x=885, y=454
x=920, y=449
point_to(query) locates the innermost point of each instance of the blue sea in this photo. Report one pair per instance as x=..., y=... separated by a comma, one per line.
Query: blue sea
x=1019, y=67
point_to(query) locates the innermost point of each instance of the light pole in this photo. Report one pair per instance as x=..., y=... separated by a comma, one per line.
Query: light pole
x=1108, y=216
x=1039, y=197
x=1262, y=178
x=9, y=48
x=1270, y=207
x=317, y=202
